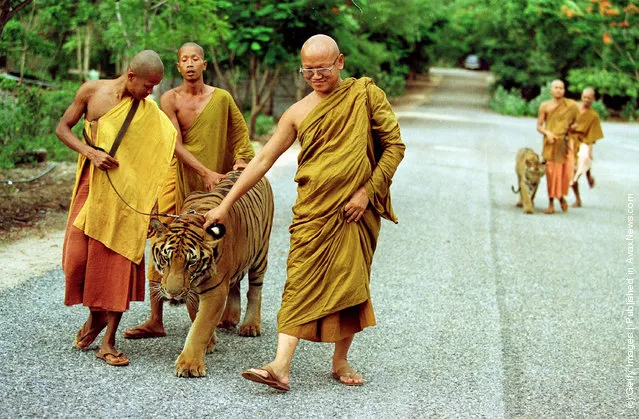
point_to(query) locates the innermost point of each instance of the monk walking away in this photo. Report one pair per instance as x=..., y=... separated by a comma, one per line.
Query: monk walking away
x=350, y=149
x=585, y=132
x=212, y=139
x=103, y=252
x=554, y=120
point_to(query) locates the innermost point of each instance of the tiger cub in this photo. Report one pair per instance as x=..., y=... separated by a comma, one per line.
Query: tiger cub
x=529, y=170
x=204, y=268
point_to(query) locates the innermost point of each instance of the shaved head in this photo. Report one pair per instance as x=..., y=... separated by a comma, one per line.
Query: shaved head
x=589, y=91
x=200, y=50
x=320, y=44
x=557, y=82
x=146, y=63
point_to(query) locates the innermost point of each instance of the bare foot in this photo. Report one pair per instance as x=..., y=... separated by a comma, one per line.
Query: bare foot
x=577, y=204
x=147, y=329
x=591, y=182
x=549, y=210
x=346, y=375
x=564, y=204
x=88, y=332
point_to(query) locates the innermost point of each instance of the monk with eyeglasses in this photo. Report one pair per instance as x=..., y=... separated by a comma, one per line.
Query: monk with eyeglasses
x=350, y=149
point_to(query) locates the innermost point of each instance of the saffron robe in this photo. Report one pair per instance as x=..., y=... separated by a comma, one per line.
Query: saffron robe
x=349, y=140
x=144, y=156
x=559, y=156
x=217, y=138
x=558, y=122
x=588, y=131
x=95, y=275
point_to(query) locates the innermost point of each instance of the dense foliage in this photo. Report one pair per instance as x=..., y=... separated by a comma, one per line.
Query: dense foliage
x=530, y=42
x=251, y=44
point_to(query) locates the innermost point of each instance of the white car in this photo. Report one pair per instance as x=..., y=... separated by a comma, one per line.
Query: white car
x=472, y=62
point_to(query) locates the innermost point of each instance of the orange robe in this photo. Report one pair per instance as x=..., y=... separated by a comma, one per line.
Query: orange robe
x=585, y=135
x=103, y=252
x=349, y=140
x=559, y=156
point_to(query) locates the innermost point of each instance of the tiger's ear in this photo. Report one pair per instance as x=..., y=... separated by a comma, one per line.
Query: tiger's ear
x=217, y=231
x=158, y=227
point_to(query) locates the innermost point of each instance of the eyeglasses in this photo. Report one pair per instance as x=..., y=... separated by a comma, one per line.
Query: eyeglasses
x=323, y=72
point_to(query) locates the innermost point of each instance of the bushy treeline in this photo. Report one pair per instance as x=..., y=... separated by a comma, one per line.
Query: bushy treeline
x=586, y=43
x=249, y=44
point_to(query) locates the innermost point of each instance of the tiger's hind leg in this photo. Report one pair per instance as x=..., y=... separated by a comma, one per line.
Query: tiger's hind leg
x=252, y=325
x=233, y=308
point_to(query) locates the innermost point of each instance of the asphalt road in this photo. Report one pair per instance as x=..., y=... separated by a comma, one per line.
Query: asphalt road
x=482, y=311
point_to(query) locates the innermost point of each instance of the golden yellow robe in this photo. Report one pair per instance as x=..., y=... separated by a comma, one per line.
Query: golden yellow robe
x=144, y=156
x=588, y=129
x=350, y=139
x=217, y=138
x=558, y=122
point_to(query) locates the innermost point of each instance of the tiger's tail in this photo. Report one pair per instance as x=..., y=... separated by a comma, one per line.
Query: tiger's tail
x=512, y=188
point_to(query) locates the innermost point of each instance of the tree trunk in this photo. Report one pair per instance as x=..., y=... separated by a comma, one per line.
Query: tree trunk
x=87, y=50
x=6, y=12
x=78, y=52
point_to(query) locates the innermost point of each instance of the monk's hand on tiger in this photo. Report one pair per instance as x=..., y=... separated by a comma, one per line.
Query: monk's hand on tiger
x=239, y=164
x=211, y=179
x=215, y=216
x=102, y=160
x=356, y=206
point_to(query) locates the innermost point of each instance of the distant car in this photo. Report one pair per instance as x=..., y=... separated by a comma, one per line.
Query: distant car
x=472, y=62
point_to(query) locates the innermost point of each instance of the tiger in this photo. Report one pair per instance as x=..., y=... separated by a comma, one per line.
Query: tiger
x=529, y=170
x=204, y=268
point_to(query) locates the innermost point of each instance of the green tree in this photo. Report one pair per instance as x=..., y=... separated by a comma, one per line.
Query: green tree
x=10, y=8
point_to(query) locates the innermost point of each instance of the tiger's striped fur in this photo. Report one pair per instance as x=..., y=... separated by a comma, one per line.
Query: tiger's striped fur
x=199, y=268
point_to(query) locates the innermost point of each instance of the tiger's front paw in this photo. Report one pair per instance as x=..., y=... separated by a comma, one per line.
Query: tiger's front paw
x=189, y=367
x=250, y=330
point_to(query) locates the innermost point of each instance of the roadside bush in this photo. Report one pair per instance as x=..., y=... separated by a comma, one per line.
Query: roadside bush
x=264, y=124
x=392, y=84
x=609, y=83
x=601, y=109
x=508, y=102
x=28, y=118
x=532, y=109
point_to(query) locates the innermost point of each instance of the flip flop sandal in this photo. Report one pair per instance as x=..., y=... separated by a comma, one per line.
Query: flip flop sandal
x=271, y=380
x=115, y=359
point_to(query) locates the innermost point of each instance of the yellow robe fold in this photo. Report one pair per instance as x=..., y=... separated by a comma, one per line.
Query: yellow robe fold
x=217, y=138
x=349, y=140
x=144, y=156
x=558, y=122
x=588, y=129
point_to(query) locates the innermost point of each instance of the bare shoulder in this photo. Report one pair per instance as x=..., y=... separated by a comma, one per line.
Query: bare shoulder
x=300, y=109
x=168, y=98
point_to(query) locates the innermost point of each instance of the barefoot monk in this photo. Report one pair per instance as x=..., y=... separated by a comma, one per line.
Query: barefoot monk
x=554, y=120
x=350, y=148
x=586, y=131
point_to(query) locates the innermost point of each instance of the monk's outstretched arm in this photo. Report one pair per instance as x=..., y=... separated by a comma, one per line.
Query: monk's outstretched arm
x=281, y=140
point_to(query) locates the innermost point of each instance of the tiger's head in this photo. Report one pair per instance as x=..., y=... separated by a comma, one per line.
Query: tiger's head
x=184, y=254
x=535, y=170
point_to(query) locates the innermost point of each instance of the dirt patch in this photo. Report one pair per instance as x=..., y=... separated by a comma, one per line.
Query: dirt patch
x=34, y=199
